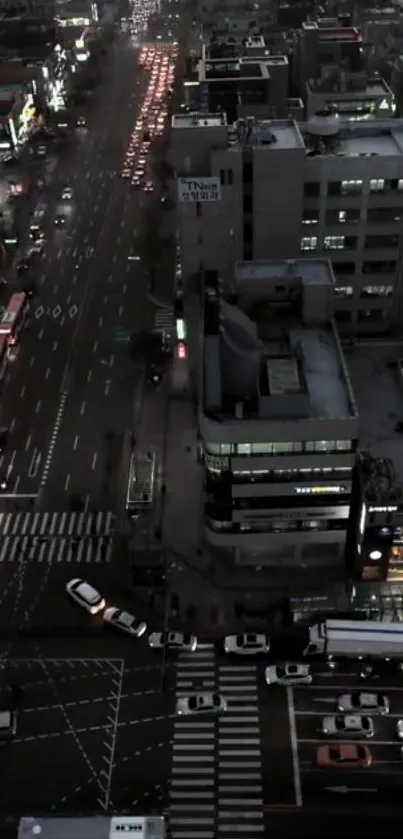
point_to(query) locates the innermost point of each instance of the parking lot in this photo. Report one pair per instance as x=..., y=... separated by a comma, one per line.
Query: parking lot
x=307, y=708
x=92, y=734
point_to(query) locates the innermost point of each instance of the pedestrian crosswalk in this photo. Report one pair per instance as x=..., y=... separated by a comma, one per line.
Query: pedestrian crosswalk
x=42, y=549
x=56, y=537
x=239, y=774
x=56, y=524
x=192, y=790
x=216, y=782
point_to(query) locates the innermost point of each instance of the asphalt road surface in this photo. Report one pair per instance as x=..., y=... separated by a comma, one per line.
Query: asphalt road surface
x=98, y=726
x=105, y=726
x=68, y=398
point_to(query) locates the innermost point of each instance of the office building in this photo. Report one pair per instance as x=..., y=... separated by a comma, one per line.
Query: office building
x=275, y=190
x=278, y=421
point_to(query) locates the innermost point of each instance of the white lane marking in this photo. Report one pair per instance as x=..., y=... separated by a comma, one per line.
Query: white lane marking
x=94, y=460
x=294, y=748
x=67, y=481
x=75, y=444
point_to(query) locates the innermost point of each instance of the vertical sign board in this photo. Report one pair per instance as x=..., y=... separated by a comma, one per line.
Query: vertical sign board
x=200, y=191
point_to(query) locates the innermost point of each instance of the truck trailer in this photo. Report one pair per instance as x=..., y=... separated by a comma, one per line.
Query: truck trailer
x=356, y=639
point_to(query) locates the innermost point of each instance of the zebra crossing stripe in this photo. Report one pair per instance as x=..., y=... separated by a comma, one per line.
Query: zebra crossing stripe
x=216, y=781
x=55, y=551
x=56, y=524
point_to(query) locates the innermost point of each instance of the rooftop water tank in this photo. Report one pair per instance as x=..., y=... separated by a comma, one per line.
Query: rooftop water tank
x=324, y=123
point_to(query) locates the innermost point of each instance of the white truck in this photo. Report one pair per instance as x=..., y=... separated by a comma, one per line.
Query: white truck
x=355, y=639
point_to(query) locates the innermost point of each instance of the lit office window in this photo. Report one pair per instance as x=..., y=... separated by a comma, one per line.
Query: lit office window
x=309, y=243
x=377, y=185
x=334, y=243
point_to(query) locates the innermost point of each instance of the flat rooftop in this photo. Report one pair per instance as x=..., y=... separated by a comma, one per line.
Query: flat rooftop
x=9, y=91
x=355, y=139
x=310, y=270
x=198, y=120
x=331, y=86
x=282, y=134
x=262, y=362
x=378, y=389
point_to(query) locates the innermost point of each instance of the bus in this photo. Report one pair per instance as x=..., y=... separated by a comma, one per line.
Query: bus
x=141, y=484
x=3, y=355
x=14, y=316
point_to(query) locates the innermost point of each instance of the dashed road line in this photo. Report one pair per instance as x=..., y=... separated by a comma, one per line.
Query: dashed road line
x=53, y=439
x=52, y=735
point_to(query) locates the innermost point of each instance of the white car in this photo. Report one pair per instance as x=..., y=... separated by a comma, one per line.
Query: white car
x=172, y=641
x=248, y=644
x=201, y=703
x=399, y=729
x=349, y=726
x=288, y=674
x=67, y=193
x=370, y=703
x=85, y=595
x=124, y=621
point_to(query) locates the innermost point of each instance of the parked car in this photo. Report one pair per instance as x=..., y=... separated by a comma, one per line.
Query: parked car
x=85, y=595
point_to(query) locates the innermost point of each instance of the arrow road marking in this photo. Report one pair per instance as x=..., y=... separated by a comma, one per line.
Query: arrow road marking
x=343, y=789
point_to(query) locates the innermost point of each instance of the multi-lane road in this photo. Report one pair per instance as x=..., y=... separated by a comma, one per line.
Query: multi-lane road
x=250, y=770
x=68, y=398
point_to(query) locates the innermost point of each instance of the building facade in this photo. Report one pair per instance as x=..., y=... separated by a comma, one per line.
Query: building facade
x=278, y=421
x=324, y=189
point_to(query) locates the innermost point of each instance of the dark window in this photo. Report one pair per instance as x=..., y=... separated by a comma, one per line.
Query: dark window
x=342, y=216
x=390, y=240
x=370, y=315
x=247, y=173
x=230, y=177
x=383, y=266
x=198, y=208
x=384, y=215
x=343, y=268
x=279, y=289
x=222, y=177
x=334, y=188
x=247, y=232
x=342, y=316
x=312, y=189
x=247, y=204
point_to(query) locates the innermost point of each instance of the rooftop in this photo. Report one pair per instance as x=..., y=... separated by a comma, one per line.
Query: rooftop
x=350, y=88
x=263, y=359
x=378, y=386
x=9, y=91
x=363, y=138
x=198, y=120
x=283, y=134
x=311, y=270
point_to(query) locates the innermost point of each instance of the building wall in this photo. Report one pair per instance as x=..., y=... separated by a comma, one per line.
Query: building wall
x=346, y=208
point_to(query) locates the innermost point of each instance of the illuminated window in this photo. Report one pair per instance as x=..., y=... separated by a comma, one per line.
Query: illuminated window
x=309, y=243
x=351, y=187
x=343, y=291
x=334, y=243
x=376, y=185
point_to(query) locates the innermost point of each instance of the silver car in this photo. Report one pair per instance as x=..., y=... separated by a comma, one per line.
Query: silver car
x=124, y=621
x=85, y=595
x=172, y=641
x=348, y=726
x=288, y=674
x=399, y=729
x=251, y=643
x=201, y=703
x=370, y=703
